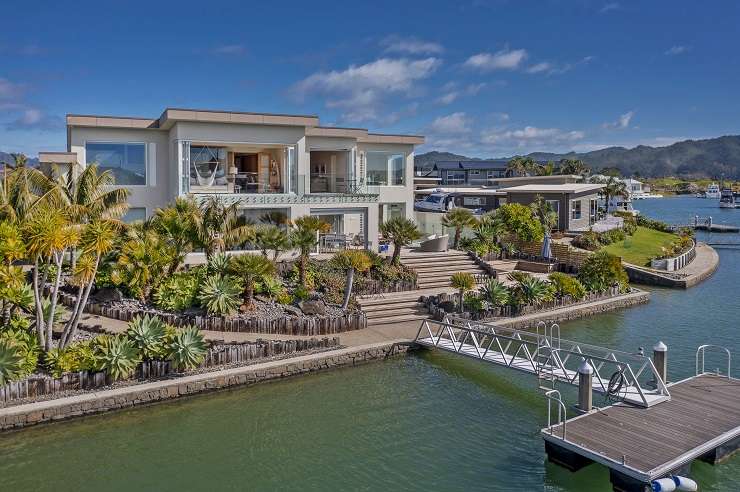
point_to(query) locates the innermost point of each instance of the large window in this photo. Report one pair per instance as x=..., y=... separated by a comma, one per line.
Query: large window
x=575, y=209
x=207, y=166
x=455, y=177
x=385, y=168
x=135, y=214
x=127, y=161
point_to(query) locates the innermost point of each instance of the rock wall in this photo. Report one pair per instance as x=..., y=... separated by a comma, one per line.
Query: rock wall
x=129, y=396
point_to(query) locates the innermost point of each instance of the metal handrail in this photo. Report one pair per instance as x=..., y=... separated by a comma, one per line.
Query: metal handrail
x=702, y=349
x=554, y=395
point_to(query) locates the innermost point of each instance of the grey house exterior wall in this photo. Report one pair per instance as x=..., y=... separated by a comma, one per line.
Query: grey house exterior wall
x=565, y=200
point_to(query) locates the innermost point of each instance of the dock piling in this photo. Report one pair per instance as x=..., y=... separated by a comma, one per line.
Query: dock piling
x=585, y=393
x=660, y=360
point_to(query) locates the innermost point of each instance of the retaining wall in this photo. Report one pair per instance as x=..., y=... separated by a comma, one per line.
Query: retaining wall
x=129, y=396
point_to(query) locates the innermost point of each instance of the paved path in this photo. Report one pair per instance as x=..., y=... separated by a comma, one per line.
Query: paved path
x=701, y=268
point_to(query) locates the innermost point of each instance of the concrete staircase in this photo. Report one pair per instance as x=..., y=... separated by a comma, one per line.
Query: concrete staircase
x=396, y=307
x=435, y=269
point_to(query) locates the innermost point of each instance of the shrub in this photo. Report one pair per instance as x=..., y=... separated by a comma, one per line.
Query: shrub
x=653, y=224
x=117, y=356
x=148, y=333
x=589, y=240
x=25, y=342
x=611, y=236
x=495, y=293
x=219, y=295
x=79, y=356
x=473, y=303
x=565, y=285
x=301, y=293
x=177, y=292
x=11, y=361
x=601, y=270
x=272, y=287
x=531, y=290
x=187, y=348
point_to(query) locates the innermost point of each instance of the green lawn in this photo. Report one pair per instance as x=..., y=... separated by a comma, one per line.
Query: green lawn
x=643, y=245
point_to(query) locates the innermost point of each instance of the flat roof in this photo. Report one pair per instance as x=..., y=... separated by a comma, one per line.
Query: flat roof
x=553, y=188
x=468, y=190
x=170, y=116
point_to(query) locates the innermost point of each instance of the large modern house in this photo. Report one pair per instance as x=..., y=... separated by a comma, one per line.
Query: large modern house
x=262, y=162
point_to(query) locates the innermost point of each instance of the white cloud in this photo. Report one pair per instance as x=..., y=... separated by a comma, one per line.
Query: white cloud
x=500, y=116
x=448, y=98
x=676, y=50
x=622, y=122
x=411, y=45
x=455, y=123
x=35, y=119
x=360, y=89
x=540, y=67
x=609, y=7
x=229, y=49
x=501, y=60
x=530, y=137
x=453, y=93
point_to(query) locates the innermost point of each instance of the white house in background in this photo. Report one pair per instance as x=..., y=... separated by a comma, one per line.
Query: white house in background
x=262, y=162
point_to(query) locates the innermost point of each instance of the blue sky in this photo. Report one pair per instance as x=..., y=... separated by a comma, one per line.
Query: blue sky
x=485, y=77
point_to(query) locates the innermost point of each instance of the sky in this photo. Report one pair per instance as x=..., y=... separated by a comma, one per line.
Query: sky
x=485, y=78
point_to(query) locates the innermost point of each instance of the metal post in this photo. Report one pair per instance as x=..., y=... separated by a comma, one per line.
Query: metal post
x=660, y=360
x=585, y=392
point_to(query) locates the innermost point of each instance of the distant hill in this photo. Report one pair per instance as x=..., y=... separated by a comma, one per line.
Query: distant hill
x=710, y=158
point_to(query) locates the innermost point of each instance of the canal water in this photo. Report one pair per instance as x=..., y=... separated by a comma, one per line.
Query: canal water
x=427, y=422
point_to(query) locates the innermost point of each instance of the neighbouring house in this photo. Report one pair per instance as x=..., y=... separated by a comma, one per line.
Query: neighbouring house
x=470, y=173
x=575, y=203
x=262, y=162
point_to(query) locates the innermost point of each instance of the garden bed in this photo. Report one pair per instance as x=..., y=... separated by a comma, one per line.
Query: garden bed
x=39, y=387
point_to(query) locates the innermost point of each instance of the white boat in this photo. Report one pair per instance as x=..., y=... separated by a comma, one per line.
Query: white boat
x=728, y=199
x=434, y=202
x=645, y=196
x=713, y=191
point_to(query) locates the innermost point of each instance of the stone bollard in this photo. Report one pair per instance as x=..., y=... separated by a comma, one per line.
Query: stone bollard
x=660, y=360
x=585, y=391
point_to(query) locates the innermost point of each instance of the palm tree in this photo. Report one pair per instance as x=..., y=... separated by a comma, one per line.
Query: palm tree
x=304, y=238
x=219, y=226
x=271, y=238
x=516, y=167
x=351, y=260
x=24, y=190
x=545, y=213
x=463, y=282
x=546, y=169
x=250, y=268
x=573, y=166
x=98, y=239
x=458, y=218
x=177, y=223
x=143, y=261
x=614, y=187
x=401, y=232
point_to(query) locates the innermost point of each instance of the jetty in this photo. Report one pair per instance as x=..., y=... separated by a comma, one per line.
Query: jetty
x=706, y=224
x=652, y=430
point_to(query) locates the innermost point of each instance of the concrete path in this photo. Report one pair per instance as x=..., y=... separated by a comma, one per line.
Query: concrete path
x=702, y=267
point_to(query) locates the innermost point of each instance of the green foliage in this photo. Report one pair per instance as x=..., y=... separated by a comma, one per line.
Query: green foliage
x=458, y=219
x=352, y=258
x=117, y=355
x=187, y=349
x=473, y=303
x=653, y=224
x=11, y=361
x=272, y=238
x=612, y=236
x=79, y=356
x=178, y=291
x=219, y=294
x=531, y=290
x=565, y=285
x=401, y=232
x=272, y=287
x=19, y=336
x=495, y=293
x=250, y=269
x=301, y=293
x=589, y=240
x=519, y=221
x=148, y=334
x=544, y=212
x=142, y=263
x=600, y=271
x=219, y=264
x=463, y=281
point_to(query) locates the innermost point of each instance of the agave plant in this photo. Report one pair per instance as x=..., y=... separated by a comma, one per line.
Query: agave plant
x=531, y=290
x=219, y=264
x=220, y=294
x=117, y=356
x=495, y=293
x=272, y=286
x=11, y=361
x=187, y=348
x=148, y=333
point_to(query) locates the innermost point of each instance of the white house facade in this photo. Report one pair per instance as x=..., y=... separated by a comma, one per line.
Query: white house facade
x=262, y=162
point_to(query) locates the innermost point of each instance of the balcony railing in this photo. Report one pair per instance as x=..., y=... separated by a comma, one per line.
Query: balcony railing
x=289, y=198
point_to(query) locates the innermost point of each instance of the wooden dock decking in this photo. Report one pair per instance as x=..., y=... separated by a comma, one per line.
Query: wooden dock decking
x=644, y=444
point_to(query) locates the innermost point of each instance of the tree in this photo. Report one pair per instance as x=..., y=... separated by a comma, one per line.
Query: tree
x=304, y=238
x=401, y=232
x=518, y=166
x=458, y=218
x=271, y=238
x=546, y=169
x=219, y=226
x=519, y=221
x=12, y=279
x=574, y=166
x=143, y=261
x=544, y=213
x=177, y=223
x=351, y=260
x=250, y=268
x=614, y=187
x=463, y=282
x=24, y=190
x=602, y=270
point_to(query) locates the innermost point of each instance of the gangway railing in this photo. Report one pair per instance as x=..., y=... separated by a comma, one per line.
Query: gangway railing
x=701, y=351
x=554, y=396
x=630, y=377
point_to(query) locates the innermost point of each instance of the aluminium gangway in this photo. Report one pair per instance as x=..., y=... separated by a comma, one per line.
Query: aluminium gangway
x=631, y=378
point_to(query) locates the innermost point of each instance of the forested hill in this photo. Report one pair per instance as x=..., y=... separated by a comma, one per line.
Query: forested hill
x=711, y=158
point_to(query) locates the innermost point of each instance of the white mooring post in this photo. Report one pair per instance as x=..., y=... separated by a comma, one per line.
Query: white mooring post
x=660, y=360
x=585, y=392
